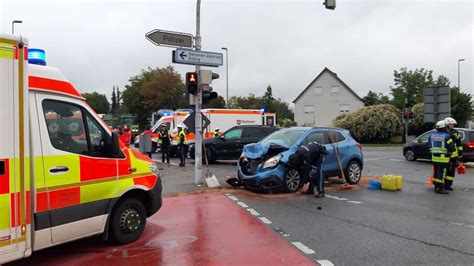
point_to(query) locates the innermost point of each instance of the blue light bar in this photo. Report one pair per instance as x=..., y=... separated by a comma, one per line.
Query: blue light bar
x=37, y=56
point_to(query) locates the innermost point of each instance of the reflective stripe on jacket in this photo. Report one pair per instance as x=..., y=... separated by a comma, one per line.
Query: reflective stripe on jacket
x=441, y=146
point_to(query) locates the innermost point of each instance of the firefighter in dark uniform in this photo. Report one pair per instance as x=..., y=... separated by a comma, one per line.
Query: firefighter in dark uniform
x=441, y=147
x=456, y=156
x=165, y=142
x=182, y=145
x=311, y=160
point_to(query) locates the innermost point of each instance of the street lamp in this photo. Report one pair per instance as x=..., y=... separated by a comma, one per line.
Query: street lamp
x=227, y=74
x=13, y=25
x=459, y=73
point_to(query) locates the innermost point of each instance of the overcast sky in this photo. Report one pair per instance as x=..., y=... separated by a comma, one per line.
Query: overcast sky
x=99, y=44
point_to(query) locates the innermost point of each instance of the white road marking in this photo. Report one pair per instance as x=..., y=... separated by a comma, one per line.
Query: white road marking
x=397, y=160
x=471, y=226
x=354, y=201
x=456, y=223
x=243, y=205
x=303, y=248
x=234, y=198
x=335, y=197
x=253, y=212
x=265, y=220
x=325, y=263
x=373, y=159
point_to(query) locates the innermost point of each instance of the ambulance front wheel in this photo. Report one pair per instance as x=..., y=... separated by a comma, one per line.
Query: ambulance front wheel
x=128, y=221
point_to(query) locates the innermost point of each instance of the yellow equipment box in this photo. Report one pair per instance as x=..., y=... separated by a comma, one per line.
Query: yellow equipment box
x=392, y=182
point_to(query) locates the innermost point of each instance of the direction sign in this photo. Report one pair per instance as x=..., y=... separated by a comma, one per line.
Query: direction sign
x=190, y=122
x=201, y=58
x=169, y=38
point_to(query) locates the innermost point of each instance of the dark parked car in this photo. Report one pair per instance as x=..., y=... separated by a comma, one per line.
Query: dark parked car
x=264, y=165
x=230, y=144
x=418, y=149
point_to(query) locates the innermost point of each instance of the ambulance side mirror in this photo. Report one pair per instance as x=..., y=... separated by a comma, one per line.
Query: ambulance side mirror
x=114, y=145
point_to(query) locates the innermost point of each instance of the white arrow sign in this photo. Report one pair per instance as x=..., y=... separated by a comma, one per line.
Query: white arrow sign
x=201, y=58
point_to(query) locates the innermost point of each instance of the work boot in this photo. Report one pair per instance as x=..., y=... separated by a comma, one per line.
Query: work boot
x=440, y=190
x=448, y=188
x=319, y=195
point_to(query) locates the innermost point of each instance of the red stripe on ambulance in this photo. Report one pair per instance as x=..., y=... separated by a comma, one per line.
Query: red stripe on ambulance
x=53, y=85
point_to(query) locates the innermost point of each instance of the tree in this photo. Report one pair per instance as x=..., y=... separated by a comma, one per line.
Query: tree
x=97, y=101
x=372, y=98
x=118, y=98
x=461, y=106
x=409, y=86
x=278, y=106
x=371, y=124
x=114, y=101
x=153, y=89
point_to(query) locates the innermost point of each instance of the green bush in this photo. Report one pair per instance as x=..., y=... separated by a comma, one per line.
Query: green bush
x=372, y=124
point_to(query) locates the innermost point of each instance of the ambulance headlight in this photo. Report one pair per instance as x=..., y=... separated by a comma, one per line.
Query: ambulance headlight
x=272, y=162
x=153, y=169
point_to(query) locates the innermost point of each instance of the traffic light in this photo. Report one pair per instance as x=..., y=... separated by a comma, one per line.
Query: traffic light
x=207, y=77
x=192, y=83
x=330, y=4
x=406, y=115
x=208, y=95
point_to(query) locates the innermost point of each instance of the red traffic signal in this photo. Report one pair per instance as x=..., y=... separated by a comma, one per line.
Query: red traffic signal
x=192, y=82
x=406, y=115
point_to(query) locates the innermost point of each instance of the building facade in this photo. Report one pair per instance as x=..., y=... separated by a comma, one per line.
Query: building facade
x=326, y=97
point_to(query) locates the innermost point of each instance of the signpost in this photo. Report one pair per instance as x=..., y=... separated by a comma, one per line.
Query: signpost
x=199, y=58
x=170, y=38
x=437, y=103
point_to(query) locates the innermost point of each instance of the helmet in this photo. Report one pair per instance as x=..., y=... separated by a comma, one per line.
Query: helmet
x=440, y=124
x=181, y=126
x=216, y=129
x=450, y=120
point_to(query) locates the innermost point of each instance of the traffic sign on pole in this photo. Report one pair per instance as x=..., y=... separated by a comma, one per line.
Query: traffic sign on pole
x=190, y=121
x=198, y=58
x=170, y=38
x=437, y=103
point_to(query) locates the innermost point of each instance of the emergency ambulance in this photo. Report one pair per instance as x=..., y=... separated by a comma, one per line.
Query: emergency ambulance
x=63, y=174
x=223, y=119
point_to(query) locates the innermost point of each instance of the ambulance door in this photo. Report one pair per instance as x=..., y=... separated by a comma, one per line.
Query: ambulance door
x=80, y=177
x=14, y=151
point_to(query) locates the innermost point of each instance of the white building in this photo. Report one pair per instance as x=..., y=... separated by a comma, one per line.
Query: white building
x=324, y=99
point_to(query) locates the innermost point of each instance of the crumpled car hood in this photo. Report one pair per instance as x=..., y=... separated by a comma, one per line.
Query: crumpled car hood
x=261, y=149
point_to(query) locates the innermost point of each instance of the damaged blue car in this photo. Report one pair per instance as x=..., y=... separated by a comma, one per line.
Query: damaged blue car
x=264, y=166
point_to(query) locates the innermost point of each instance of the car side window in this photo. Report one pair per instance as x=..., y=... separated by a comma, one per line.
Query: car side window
x=97, y=137
x=233, y=134
x=317, y=136
x=335, y=137
x=253, y=132
x=65, y=125
x=424, y=138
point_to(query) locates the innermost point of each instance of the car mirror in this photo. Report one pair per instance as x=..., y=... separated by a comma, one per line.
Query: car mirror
x=114, y=145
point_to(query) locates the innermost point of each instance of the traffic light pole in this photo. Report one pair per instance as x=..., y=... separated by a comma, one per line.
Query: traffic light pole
x=197, y=101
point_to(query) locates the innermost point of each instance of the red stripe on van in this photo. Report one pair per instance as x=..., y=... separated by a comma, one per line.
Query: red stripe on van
x=147, y=181
x=52, y=85
x=65, y=197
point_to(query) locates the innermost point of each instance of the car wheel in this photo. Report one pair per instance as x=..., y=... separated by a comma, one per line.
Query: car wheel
x=410, y=155
x=210, y=156
x=353, y=172
x=292, y=180
x=127, y=221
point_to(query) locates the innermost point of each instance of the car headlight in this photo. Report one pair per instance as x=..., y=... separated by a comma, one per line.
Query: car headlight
x=153, y=168
x=272, y=162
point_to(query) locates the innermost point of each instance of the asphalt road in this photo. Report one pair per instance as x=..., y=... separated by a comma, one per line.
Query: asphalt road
x=361, y=226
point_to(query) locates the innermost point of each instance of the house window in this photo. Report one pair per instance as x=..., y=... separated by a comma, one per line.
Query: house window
x=318, y=91
x=308, y=109
x=343, y=108
x=334, y=90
